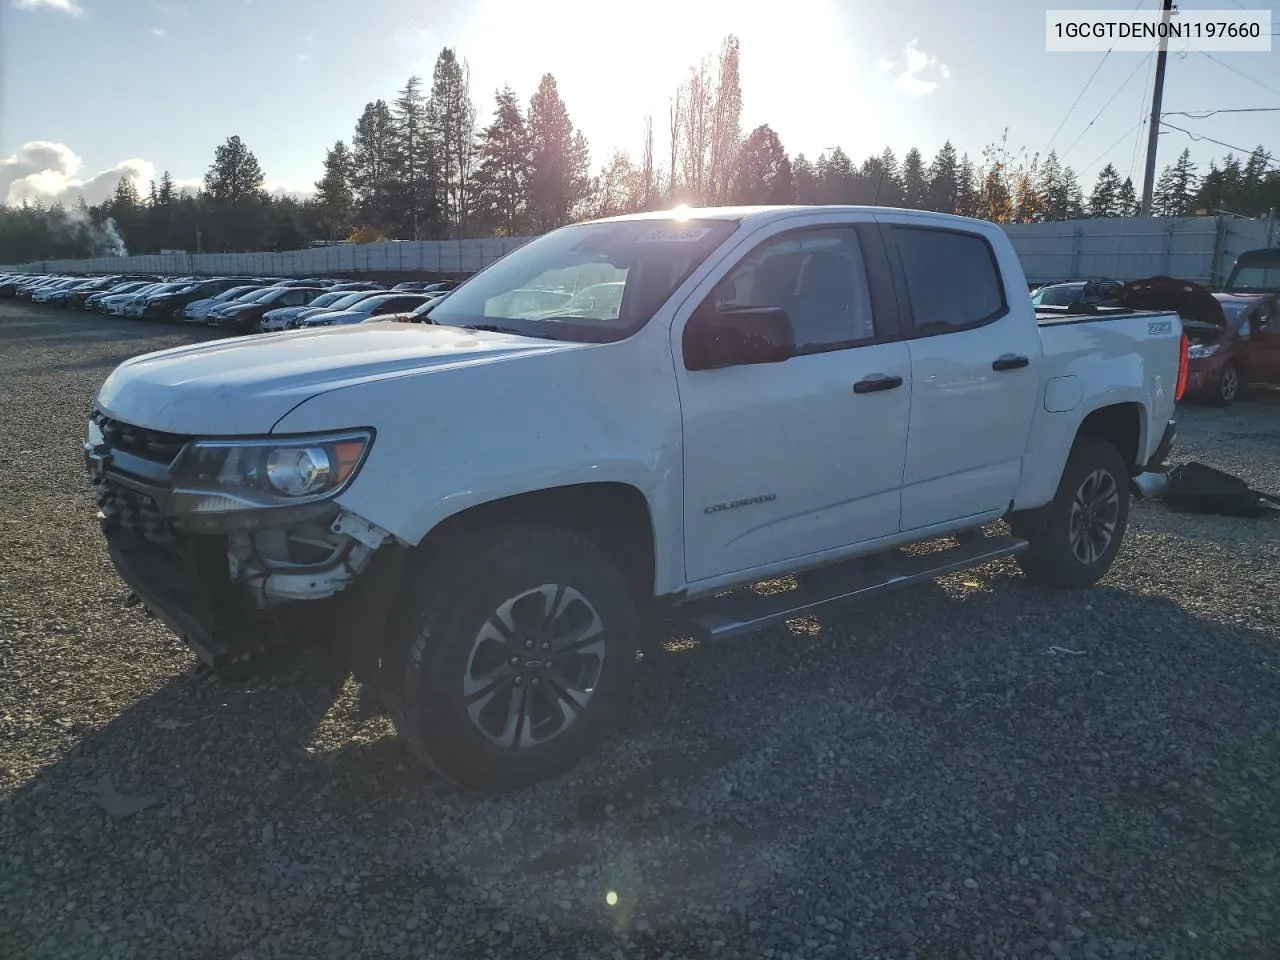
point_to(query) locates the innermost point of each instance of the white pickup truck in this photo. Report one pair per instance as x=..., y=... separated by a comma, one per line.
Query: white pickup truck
x=621, y=423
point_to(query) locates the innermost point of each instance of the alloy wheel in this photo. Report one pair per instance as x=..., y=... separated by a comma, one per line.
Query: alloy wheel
x=1095, y=511
x=534, y=666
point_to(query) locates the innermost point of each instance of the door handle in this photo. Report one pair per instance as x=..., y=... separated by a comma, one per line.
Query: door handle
x=877, y=382
x=1009, y=362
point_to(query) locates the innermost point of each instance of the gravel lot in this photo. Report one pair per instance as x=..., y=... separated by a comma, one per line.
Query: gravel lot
x=916, y=777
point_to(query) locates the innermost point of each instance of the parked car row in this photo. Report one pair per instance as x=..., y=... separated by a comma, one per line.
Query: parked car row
x=237, y=304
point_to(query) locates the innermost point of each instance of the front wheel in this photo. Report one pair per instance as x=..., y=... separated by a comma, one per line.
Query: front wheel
x=519, y=657
x=1075, y=538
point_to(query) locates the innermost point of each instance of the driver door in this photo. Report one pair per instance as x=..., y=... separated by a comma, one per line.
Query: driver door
x=786, y=461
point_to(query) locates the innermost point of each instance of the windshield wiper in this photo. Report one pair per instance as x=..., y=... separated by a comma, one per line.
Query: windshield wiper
x=496, y=328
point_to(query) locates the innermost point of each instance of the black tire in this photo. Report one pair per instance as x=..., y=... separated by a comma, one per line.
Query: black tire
x=1228, y=388
x=449, y=627
x=1069, y=559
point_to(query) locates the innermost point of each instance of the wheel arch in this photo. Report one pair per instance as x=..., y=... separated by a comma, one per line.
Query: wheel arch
x=1123, y=425
x=614, y=515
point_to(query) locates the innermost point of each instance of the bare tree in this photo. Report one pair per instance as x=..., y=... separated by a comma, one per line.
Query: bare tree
x=675, y=115
x=647, y=173
x=726, y=123
x=697, y=129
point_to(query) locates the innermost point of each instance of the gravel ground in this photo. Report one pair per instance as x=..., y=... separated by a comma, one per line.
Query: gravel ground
x=916, y=777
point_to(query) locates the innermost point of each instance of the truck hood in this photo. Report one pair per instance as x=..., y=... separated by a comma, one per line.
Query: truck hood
x=244, y=385
x=1190, y=301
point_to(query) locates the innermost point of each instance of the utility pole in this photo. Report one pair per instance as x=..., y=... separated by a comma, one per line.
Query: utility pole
x=1153, y=128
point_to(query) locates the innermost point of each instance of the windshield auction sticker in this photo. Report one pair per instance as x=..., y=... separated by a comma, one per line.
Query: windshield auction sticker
x=1142, y=31
x=681, y=235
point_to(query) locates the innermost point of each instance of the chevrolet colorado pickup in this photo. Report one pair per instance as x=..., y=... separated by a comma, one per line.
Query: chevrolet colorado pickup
x=624, y=424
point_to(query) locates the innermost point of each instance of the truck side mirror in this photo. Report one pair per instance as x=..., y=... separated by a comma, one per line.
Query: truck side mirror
x=736, y=336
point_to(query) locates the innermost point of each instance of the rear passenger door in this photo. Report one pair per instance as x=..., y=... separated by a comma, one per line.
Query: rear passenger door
x=975, y=373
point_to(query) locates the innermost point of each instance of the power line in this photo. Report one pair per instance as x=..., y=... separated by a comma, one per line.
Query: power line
x=1206, y=114
x=1220, y=143
x=1117, y=92
x=1076, y=101
x=1080, y=95
x=1223, y=63
x=1119, y=140
x=1143, y=119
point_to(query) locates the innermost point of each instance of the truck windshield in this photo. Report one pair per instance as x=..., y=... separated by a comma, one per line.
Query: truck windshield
x=593, y=282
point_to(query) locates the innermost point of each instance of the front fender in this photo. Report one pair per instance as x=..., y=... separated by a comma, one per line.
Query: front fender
x=453, y=439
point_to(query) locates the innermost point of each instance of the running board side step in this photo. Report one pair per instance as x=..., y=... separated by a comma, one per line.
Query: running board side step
x=736, y=614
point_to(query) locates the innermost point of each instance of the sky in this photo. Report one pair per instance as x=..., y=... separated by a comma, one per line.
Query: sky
x=94, y=89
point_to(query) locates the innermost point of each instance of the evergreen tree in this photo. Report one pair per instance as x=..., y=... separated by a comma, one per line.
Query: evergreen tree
x=806, y=180
x=1177, y=186
x=882, y=180
x=1127, y=199
x=237, y=202
x=968, y=191
x=1074, y=194
x=235, y=175
x=837, y=180
x=452, y=117
x=1105, y=199
x=915, y=183
x=333, y=190
x=413, y=164
x=503, y=175
x=944, y=181
x=762, y=172
x=372, y=148
x=559, y=178
x=166, y=193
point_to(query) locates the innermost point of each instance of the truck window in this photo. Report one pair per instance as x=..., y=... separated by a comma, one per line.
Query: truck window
x=953, y=280
x=817, y=276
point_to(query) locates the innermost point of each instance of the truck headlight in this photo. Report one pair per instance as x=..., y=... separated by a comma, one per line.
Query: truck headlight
x=1202, y=350
x=228, y=476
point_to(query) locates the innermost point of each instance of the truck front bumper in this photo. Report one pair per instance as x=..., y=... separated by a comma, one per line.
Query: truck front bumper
x=230, y=594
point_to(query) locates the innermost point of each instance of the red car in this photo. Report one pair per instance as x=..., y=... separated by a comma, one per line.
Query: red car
x=1235, y=337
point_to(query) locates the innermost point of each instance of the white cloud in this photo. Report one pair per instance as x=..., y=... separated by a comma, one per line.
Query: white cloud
x=66, y=6
x=279, y=188
x=46, y=172
x=157, y=32
x=303, y=58
x=916, y=73
x=50, y=172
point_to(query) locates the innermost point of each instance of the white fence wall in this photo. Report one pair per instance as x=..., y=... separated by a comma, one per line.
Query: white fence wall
x=427, y=256
x=1124, y=248
x=1127, y=248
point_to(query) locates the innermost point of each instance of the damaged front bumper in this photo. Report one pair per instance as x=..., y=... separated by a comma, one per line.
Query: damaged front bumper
x=230, y=587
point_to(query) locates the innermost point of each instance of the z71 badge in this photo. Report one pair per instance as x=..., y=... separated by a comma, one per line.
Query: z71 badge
x=1158, y=328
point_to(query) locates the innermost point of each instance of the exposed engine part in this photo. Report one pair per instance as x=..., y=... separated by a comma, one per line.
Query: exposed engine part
x=306, y=562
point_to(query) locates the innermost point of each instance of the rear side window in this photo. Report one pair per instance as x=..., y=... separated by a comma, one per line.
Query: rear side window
x=952, y=278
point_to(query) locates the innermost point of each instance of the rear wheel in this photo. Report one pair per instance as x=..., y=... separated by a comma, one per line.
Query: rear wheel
x=1229, y=386
x=1075, y=538
x=519, y=657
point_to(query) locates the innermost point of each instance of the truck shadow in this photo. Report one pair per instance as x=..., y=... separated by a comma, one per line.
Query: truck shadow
x=979, y=696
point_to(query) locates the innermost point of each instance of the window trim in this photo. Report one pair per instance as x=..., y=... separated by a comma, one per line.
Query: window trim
x=885, y=311
x=911, y=327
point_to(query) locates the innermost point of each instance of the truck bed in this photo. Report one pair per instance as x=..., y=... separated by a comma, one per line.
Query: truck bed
x=1059, y=316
